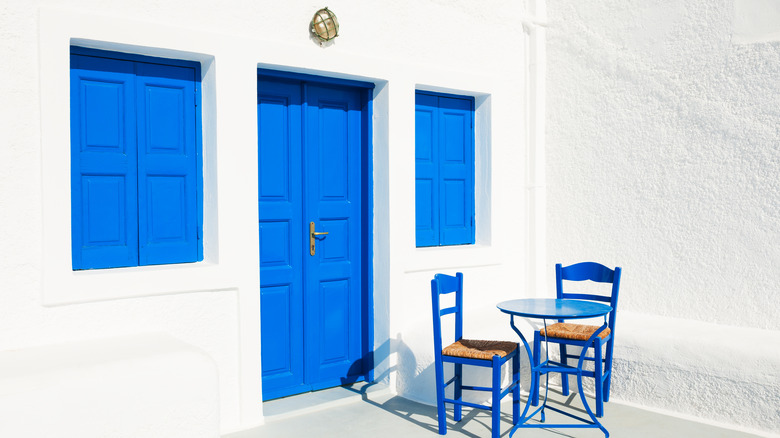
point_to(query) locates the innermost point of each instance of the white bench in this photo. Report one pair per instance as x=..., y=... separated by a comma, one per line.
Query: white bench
x=722, y=374
x=148, y=385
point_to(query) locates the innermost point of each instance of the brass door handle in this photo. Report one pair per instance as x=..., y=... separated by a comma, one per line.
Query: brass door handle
x=312, y=237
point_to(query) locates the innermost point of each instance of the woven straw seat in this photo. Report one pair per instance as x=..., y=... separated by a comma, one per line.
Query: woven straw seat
x=473, y=349
x=576, y=332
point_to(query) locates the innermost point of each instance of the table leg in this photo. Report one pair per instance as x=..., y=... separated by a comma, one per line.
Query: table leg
x=536, y=371
x=523, y=417
x=583, y=353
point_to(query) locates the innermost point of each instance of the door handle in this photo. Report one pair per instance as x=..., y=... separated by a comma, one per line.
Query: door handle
x=312, y=237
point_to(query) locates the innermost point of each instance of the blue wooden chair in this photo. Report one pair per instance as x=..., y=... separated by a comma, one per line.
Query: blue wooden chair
x=489, y=354
x=565, y=334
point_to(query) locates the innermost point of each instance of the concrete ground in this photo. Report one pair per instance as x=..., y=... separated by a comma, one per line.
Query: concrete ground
x=372, y=411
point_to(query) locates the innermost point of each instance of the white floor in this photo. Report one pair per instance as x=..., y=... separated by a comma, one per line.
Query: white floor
x=371, y=411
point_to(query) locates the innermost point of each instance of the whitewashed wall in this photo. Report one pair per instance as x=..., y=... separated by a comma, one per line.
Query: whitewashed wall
x=475, y=48
x=663, y=155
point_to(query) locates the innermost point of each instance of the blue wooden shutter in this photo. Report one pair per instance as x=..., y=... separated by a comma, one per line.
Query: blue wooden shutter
x=104, y=217
x=167, y=164
x=444, y=169
x=426, y=130
x=456, y=171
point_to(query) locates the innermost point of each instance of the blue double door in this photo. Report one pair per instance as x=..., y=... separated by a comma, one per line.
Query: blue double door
x=312, y=144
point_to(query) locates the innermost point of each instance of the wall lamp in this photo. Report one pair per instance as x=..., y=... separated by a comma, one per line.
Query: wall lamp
x=325, y=25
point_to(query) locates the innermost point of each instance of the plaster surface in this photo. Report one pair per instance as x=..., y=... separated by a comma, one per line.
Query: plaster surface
x=663, y=150
x=145, y=385
x=756, y=21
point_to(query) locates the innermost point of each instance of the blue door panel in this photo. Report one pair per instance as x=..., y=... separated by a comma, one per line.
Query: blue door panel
x=332, y=166
x=275, y=237
x=103, y=168
x=277, y=357
x=282, y=363
x=167, y=164
x=333, y=332
x=281, y=237
x=310, y=160
x=335, y=247
x=333, y=150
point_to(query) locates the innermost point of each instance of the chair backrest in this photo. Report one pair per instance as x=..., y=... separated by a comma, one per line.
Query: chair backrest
x=443, y=284
x=594, y=272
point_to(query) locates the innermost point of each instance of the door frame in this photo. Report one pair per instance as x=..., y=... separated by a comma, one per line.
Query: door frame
x=367, y=201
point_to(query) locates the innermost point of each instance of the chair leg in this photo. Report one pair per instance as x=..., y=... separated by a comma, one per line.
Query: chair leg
x=516, y=390
x=533, y=392
x=607, y=378
x=598, y=383
x=440, y=411
x=458, y=391
x=564, y=377
x=608, y=371
x=496, y=407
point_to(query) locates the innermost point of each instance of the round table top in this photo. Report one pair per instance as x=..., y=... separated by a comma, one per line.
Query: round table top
x=554, y=308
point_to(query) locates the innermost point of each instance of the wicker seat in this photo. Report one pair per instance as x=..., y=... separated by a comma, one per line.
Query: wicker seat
x=473, y=349
x=576, y=332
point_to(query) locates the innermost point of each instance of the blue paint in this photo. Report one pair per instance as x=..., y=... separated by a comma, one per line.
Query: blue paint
x=445, y=284
x=544, y=307
x=136, y=192
x=281, y=236
x=312, y=160
x=444, y=169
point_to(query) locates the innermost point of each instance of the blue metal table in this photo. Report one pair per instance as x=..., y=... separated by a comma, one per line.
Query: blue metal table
x=550, y=308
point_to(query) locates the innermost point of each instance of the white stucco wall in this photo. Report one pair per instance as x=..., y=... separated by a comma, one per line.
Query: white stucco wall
x=454, y=46
x=663, y=155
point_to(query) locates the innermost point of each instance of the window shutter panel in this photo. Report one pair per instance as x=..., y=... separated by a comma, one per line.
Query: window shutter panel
x=167, y=164
x=103, y=167
x=456, y=170
x=426, y=170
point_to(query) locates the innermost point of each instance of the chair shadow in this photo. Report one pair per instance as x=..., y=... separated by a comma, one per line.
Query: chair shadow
x=407, y=410
x=425, y=416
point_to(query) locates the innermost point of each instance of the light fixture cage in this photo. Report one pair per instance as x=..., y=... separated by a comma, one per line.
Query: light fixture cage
x=325, y=25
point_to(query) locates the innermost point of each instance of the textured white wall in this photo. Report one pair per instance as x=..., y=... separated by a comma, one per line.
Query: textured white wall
x=663, y=156
x=454, y=46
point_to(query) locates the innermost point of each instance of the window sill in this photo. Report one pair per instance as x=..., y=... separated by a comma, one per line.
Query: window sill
x=65, y=286
x=435, y=258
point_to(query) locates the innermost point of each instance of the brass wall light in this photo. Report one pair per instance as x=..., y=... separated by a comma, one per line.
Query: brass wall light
x=325, y=25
